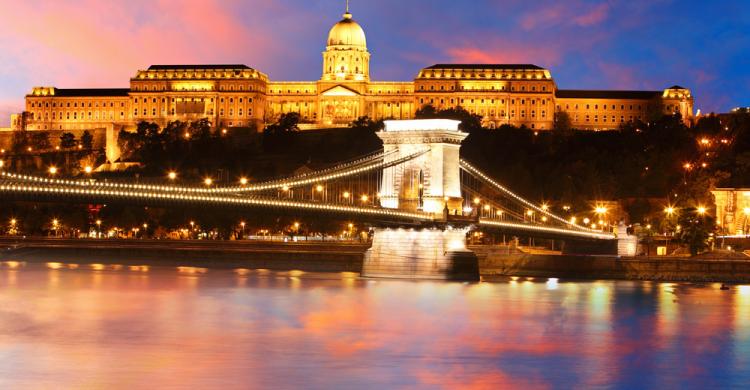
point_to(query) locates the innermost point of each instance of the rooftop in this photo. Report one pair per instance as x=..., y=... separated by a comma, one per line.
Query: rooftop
x=92, y=92
x=486, y=66
x=606, y=94
x=198, y=67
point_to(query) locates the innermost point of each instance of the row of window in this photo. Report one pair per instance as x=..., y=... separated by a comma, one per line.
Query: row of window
x=173, y=100
x=484, y=101
x=604, y=118
x=75, y=104
x=492, y=88
x=240, y=112
x=604, y=107
x=162, y=88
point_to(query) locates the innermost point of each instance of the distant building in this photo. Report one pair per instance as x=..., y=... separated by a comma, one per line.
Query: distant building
x=732, y=210
x=237, y=95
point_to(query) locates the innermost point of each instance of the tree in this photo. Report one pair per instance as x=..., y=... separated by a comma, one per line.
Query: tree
x=40, y=140
x=563, y=125
x=20, y=141
x=87, y=140
x=366, y=123
x=469, y=122
x=287, y=123
x=67, y=140
x=696, y=227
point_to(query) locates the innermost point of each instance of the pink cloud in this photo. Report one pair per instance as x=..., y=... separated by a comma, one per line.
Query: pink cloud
x=501, y=51
x=594, y=16
x=571, y=13
x=92, y=43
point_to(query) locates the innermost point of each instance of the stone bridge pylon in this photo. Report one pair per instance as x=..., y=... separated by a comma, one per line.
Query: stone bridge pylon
x=431, y=181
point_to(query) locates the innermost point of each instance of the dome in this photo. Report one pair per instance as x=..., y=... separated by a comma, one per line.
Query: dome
x=347, y=32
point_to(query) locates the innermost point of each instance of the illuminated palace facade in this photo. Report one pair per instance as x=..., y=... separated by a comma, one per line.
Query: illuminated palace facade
x=237, y=95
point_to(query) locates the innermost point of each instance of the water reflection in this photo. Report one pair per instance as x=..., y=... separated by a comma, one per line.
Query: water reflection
x=137, y=326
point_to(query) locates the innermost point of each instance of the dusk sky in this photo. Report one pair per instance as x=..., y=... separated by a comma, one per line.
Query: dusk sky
x=616, y=44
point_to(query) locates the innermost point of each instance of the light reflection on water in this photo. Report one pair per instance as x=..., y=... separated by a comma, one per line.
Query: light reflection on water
x=125, y=327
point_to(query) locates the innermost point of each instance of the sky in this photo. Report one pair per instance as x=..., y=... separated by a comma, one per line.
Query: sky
x=586, y=44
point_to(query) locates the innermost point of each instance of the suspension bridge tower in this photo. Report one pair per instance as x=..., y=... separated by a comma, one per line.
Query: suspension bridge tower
x=430, y=182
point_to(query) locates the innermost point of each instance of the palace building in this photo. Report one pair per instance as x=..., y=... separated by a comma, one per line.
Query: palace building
x=237, y=95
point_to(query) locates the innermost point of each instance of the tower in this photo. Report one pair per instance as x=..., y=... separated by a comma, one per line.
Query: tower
x=346, y=56
x=431, y=181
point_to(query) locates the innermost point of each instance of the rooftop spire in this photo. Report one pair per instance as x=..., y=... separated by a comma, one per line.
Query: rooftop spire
x=347, y=15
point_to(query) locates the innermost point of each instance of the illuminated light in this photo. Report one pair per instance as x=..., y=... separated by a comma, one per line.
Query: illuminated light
x=54, y=265
x=97, y=267
x=172, y=175
x=670, y=210
x=2, y=163
x=242, y=271
x=208, y=181
x=72, y=266
x=224, y=131
x=243, y=181
x=487, y=207
x=187, y=135
x=319, y=188
x=88, y=169
x=544, y=219
x=600, y=210
x=701, y=210
x=586, y=221
x=52, y=170
x=365, y=198
x=648, y=226
x=499, y=213
x=13, y=264
x=191, y=270
x=573, y=220
x=296, y=225
x=13, y=222
x=477, y=200
x=552, y=284
x=468, y=209
x=351, y=225
x=529, y=212
x=296, y=273
x=545, y=207
x=346, y=195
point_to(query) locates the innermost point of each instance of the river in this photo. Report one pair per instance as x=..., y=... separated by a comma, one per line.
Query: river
x=99, y=326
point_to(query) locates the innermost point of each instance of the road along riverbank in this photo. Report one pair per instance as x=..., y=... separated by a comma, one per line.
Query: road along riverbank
x=494, y=262
x=282, y=256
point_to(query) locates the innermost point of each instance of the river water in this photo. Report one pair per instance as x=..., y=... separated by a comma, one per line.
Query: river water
x=119, y=327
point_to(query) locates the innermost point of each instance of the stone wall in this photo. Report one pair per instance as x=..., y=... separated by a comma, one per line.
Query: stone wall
x=613, y=267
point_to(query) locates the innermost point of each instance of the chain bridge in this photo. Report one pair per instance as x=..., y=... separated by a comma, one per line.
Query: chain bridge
x=418, y=183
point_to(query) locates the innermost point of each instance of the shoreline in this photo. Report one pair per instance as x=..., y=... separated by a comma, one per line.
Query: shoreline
x=348, y=257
